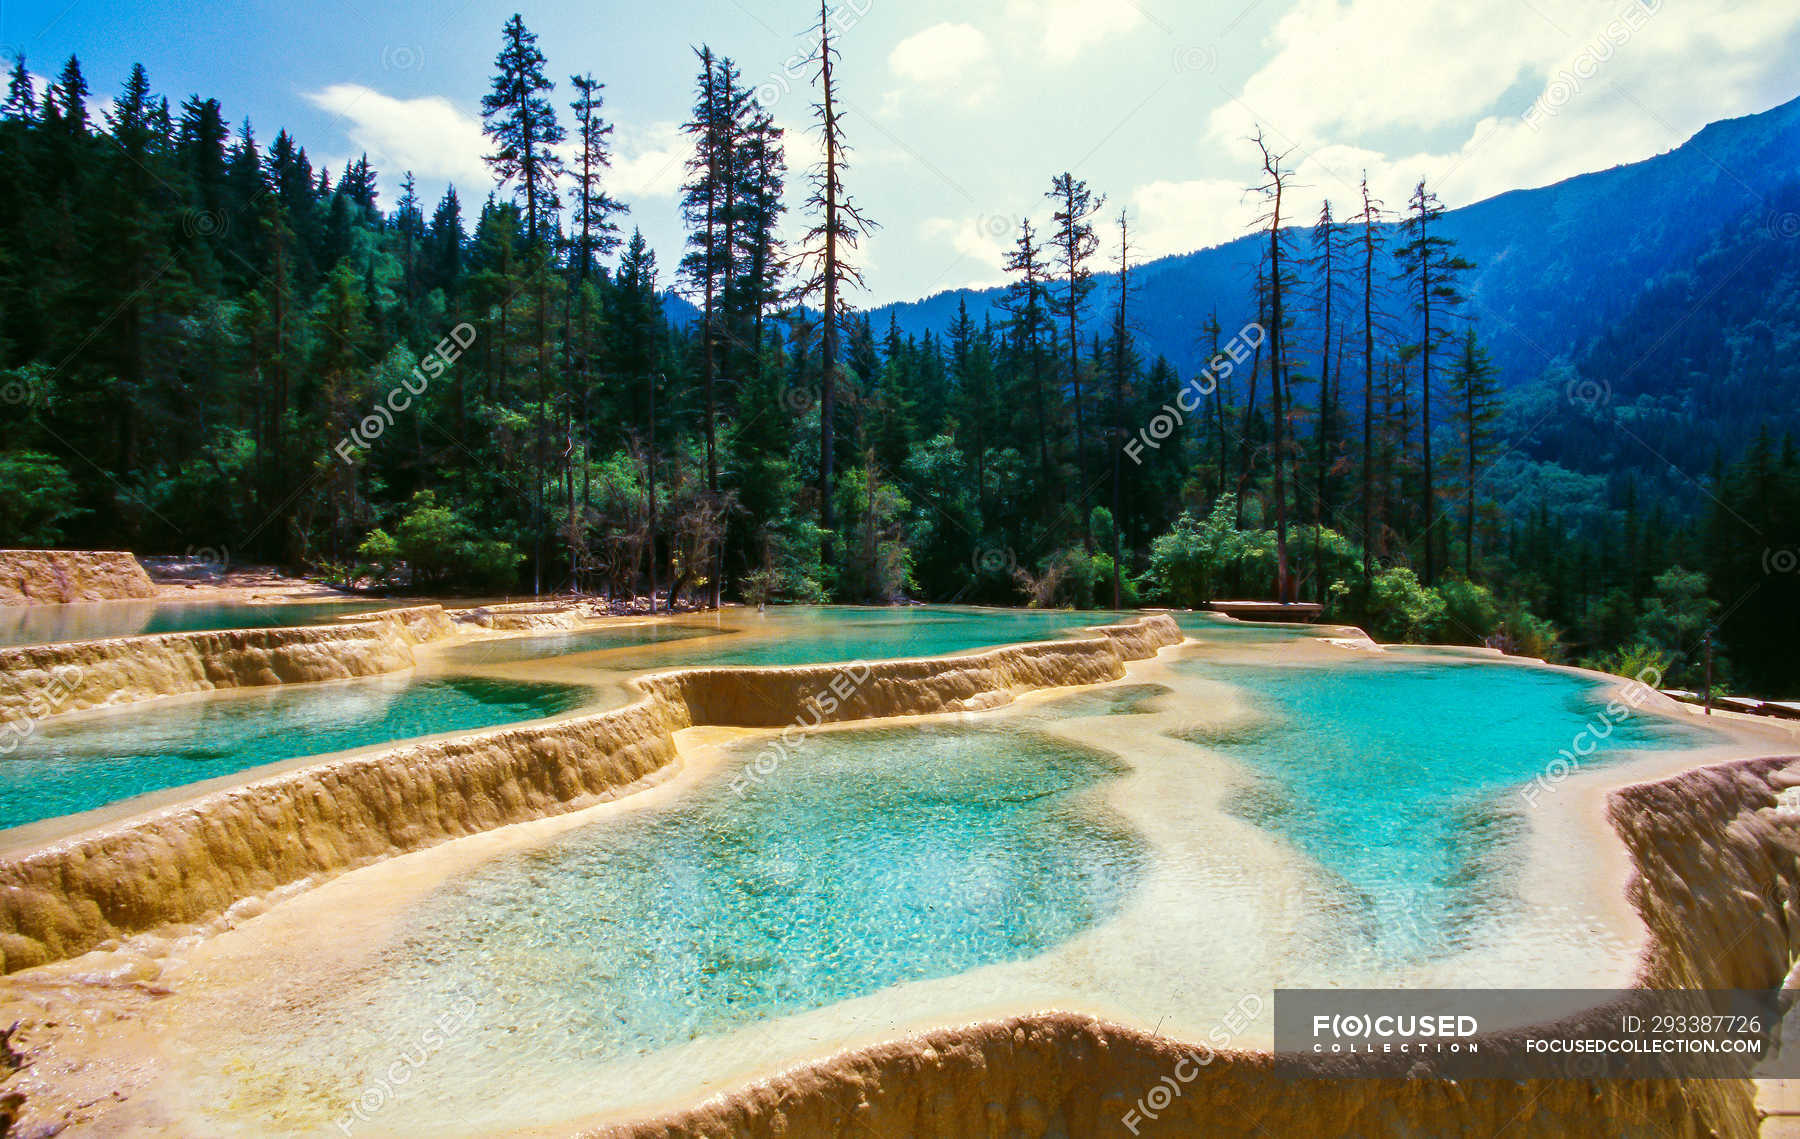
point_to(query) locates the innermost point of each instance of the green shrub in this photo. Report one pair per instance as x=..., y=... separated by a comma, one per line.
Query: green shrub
x=1471, y=615
x=1402, y=609
x=438, y=549
x=39, y=497
x=1638, y=660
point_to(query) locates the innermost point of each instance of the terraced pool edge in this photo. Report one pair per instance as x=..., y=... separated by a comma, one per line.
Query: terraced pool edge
x=41, y=681
x=1716, y=882
x=190, y=863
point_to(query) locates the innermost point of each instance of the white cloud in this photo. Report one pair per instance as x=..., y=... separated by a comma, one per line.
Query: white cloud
x=984, y=241
x=429, y=136
x=1618, y=81
x=1179, y=217
x=648, y=162
x=1068, y=27
x=436, y=140
x=945, y=59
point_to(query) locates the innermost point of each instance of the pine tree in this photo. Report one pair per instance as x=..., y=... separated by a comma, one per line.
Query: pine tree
x=67, y=98
x=1026, y=303
x=1475, y=384
x=1369, y=239
x=1121, y=350
x=827, y=273
x=1075, y=242
x=1328, y=257
x=21, y=97
x=707, y=206
x=522, y=124
x=1278, y=260
x=596, y=233
x=521, y=121
x=1431, y=269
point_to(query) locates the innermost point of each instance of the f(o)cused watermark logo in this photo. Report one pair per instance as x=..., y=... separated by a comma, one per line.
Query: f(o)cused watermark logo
x=818, y=707
x=1196, y=58
x=205, y=223
x=1588, y=394
x=47, y=701
x=399, y=398
x=842, y=17
x=381, y=1091
x=994, y=559
x=996, y=226
x=1592, y=736
x=403, y=57
x=1163, y=1094
x=15, y=392
x=1571, y=80
x=799, y=399
x=1171, y=416
x=1781, y=561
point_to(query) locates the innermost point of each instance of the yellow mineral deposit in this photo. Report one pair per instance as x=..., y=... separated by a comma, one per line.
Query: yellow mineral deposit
x=31, y=577
x=1705, y=860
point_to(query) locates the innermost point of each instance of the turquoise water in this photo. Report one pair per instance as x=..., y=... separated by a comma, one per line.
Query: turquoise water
x=84, y=764
x=1404, y=780
x=40, y=624
x=544, y=645
x=806, y=635
x=869, y=860
x=1212, y=627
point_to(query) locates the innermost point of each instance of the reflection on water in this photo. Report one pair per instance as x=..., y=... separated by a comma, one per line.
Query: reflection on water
x=86, y=763
x=884, y=876
x=881, y=858
x=1401, y=778
x=812, y=635
x=41, y=624
x=539, y=646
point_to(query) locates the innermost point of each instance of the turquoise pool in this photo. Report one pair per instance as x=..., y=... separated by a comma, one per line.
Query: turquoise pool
x=41, y=624
x=809, y=635
x=876, y=858
x=1212, y=627
x=1403, y=779
x=539, y=646
x=83, y=764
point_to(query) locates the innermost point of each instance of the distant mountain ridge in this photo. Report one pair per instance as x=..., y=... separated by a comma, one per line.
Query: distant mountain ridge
x=1554, y=265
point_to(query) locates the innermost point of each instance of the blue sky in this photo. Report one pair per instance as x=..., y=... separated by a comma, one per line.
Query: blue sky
x=961, y=112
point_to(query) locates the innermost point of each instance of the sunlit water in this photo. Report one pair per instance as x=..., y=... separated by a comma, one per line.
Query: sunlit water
x=1407, y=781
x=797, y=635
x=87, y=763
x=1372, y=836
x=37, y=624
x=80, y=765
x=538, y=646
x=887, y=856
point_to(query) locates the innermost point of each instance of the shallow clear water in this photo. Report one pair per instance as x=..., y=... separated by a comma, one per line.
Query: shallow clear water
x=1403, y=780
x=869, y=860
x=40, y=624
x=545, y=645
x=1212, y=627
x=88, y=763
x=810, y=635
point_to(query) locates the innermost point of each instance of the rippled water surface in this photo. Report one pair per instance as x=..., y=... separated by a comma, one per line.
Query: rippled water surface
x=877, y=858
x=35, y=624
x=1405, y=779
x=82, y=764
x=815, y=635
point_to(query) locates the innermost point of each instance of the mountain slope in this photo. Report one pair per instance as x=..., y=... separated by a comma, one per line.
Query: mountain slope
x=1555, y=266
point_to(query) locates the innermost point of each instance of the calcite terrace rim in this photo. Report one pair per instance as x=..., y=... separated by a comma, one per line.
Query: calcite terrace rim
x=810, y=1097
x=323, y=818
